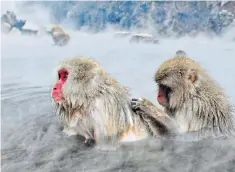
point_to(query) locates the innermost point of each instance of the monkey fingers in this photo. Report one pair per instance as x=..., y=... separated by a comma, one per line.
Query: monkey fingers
x=143, y=106
x=135, y=104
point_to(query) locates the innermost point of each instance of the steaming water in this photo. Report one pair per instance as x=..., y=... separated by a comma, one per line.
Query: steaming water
x=31, y=132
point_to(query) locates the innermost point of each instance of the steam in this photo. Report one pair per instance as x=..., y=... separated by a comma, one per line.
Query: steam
x=36, y=15
x=31, y=135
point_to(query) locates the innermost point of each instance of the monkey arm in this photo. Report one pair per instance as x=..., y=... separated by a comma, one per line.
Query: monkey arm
x=154, y=117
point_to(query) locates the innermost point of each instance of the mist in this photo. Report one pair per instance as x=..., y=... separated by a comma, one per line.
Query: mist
x=132, y=64
x=31, y=132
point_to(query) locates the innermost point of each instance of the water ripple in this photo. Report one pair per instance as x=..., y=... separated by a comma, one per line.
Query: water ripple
x=15, y=90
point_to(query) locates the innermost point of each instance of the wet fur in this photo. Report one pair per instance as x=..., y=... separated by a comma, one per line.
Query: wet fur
x=197, y=102
x=97, y=101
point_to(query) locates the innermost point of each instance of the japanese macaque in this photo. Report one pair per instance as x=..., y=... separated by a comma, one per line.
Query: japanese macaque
x=93, y=104
x=190, y=98
x=60, y=37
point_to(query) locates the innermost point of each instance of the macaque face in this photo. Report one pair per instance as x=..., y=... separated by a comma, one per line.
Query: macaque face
x=163, y=96
x=169, y=88
x=57, y=92
x=173, y=87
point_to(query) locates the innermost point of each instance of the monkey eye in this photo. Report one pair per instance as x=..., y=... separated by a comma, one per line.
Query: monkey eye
x=165, y=88
x=63, y=74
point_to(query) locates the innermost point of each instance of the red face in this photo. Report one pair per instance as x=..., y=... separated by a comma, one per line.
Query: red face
x=163, y=95
x=57, y=92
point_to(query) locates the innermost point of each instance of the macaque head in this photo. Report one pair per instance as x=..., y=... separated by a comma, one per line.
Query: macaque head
x=60, y=37
x=57, y=92
x=77, y=79
x=57, y=28
x=177, y=79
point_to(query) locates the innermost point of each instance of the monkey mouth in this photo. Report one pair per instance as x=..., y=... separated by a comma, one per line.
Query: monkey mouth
x=58, y=98
x=164, y=94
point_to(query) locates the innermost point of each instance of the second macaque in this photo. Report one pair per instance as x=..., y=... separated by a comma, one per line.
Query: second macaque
x=190, y=97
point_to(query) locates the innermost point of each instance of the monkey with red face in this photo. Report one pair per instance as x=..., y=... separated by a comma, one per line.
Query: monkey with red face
x=189, y=97
x=94, y=105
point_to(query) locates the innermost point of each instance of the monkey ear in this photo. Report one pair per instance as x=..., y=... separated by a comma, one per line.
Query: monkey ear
x=192, y=76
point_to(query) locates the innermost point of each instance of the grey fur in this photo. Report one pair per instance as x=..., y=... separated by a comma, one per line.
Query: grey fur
x=197, y=103
x=104, y=105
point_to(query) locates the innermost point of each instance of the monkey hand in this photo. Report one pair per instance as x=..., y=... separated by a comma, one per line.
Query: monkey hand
x=142, y=106
x=150, y=113
x=138, y=105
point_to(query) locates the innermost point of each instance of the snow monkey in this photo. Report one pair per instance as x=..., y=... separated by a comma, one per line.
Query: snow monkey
x=93, y=104
x=59, y=36
x=191, y=98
